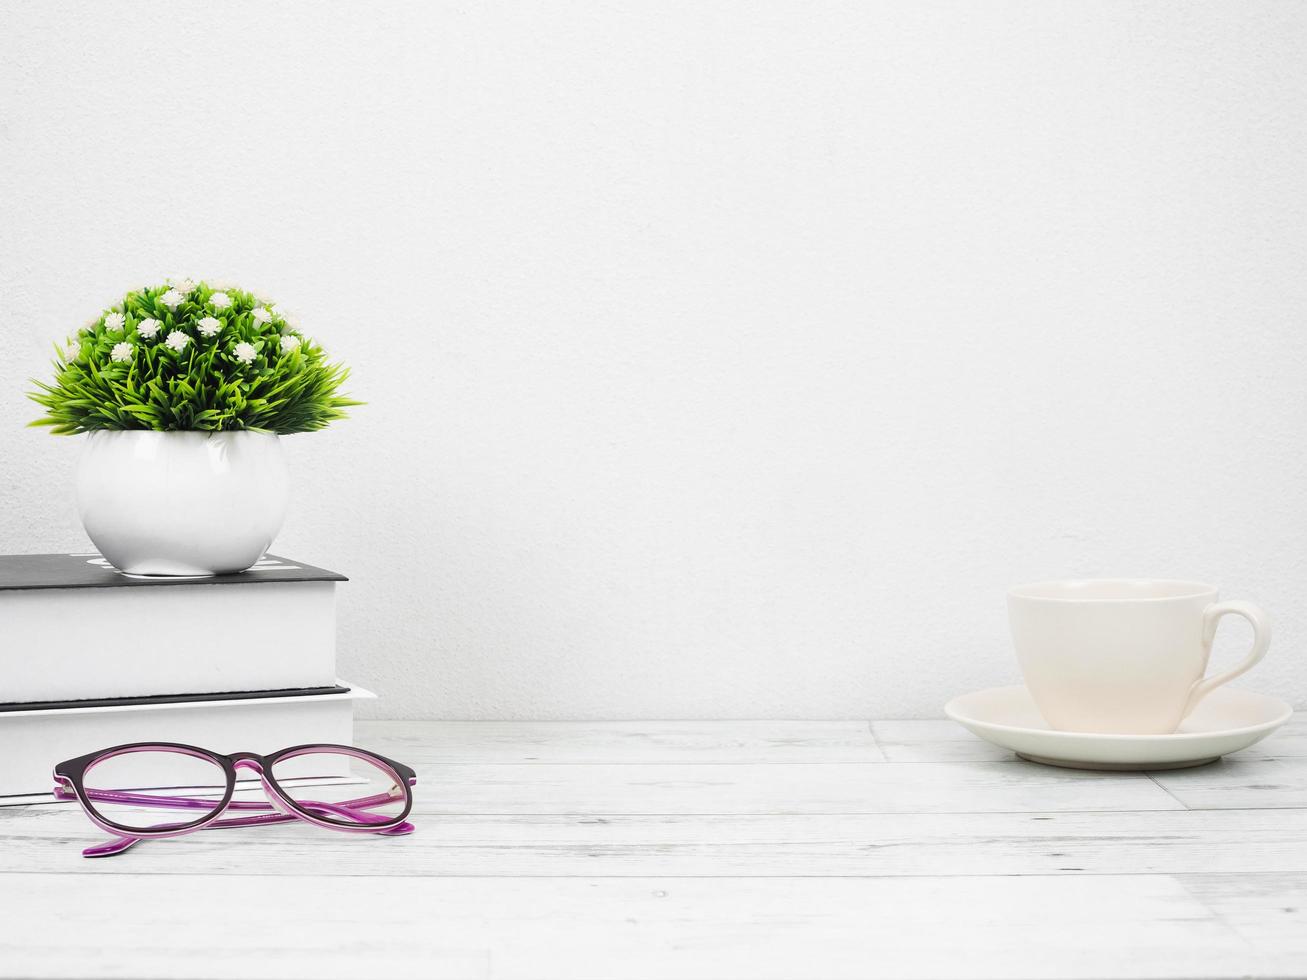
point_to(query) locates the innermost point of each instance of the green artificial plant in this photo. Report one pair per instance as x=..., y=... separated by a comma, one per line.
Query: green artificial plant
x=188, y=356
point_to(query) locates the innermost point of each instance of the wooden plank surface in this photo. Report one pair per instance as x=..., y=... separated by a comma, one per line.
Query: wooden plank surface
x=851, y=787
x=704, y=849
x=625, y=742
x=580, y=928
x=933, y=741
x=1269, y=911
x=1239, y=783
x=807, y=845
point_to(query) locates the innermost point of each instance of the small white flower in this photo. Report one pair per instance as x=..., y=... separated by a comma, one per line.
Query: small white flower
x=73, y=351
x=148, y=328
x=121, y=351
x=184, y=286
x=209, y=326
x=172, y=299
x=114, y=321
x=177, y=340
x=290, y=343
x=220, y=301
x=261, y=315
x=245, y=353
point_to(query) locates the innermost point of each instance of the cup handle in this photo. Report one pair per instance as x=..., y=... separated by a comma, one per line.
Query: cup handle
x=1261, y=625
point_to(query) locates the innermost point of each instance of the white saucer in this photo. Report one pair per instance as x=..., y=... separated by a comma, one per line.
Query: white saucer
x=1225, y=721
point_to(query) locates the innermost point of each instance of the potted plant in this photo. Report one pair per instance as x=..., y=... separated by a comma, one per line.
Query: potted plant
x=183, y=391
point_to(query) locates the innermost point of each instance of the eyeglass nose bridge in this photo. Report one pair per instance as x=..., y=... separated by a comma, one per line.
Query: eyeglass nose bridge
x=250, y=761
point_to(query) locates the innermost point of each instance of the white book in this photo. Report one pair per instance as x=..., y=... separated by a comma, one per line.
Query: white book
x=73, y=627
x=34, y=740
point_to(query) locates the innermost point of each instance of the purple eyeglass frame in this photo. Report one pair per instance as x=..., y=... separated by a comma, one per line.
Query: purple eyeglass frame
x=350, y=816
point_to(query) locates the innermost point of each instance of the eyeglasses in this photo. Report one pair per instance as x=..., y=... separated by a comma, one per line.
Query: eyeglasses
x=334, y=786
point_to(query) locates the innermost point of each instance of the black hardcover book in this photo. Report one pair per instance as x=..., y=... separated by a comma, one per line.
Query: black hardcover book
x=77, y=630
x=90, y=571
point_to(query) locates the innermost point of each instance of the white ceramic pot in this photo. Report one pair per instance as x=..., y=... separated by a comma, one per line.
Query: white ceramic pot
x=182, y=503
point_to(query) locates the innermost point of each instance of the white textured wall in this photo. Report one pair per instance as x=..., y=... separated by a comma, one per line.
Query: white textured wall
x=724, y=359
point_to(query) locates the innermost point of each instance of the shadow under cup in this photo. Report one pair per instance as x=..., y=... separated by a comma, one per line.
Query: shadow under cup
x=1121, y=656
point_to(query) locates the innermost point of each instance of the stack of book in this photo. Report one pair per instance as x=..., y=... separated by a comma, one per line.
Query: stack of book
x=91, y=658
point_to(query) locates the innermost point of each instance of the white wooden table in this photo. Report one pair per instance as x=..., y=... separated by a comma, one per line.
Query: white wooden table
x=702, y=849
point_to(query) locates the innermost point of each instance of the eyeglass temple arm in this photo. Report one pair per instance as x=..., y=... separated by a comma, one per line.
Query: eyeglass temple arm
x=116, y=845
x=344, y=808
x=349, y=809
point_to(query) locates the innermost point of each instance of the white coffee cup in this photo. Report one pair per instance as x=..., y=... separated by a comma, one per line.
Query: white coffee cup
x=1123, y=656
